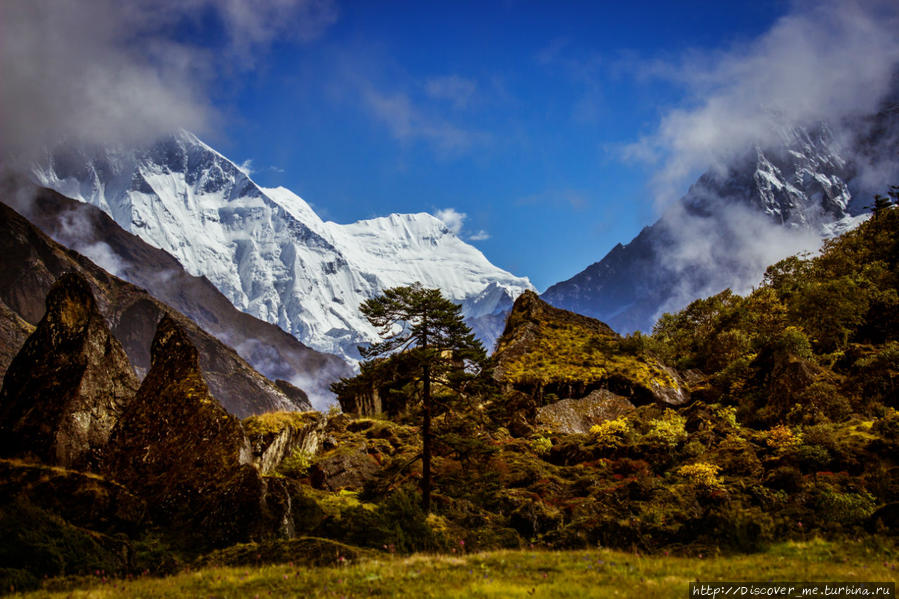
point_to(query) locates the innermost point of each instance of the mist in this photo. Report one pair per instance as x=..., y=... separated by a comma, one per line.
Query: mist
x=827, y=61
x=108, y=72
x=810, y=105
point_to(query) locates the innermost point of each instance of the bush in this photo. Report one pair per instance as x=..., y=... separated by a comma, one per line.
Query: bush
x=747, y=529
x=794, y=342
x=296, y=465
x=611, y=433
x=702, y=474
x=845, y=508
x=820, y=400
x=887, y=426
x=669, y=430
x=542, y=446
x=783, y=440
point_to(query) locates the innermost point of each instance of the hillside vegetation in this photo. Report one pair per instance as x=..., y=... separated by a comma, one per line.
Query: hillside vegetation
x=742, y=424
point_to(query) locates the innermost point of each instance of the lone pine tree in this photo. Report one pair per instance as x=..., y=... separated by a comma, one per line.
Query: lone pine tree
x=429, y=328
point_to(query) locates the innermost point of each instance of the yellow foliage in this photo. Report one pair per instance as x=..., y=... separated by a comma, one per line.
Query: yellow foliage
x=611, y=433
x=669, y=430
x=703, y=474
x=782, y=439
x=569, y=353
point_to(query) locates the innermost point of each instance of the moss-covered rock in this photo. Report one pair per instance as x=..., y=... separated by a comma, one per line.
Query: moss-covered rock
x=176, y=447
x=578, y=415
x=278, y=436
x=549, y=352
x=303, y=551
x=65, y=390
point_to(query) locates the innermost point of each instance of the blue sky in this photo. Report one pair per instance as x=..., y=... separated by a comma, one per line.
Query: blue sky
x=558, y=129
x=514, y=114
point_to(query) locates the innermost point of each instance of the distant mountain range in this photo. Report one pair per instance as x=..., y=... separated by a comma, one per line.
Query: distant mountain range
x=738, y=218
x=268, y=252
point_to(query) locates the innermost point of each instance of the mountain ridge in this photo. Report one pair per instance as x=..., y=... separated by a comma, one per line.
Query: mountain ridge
x=265, y=248
x=736, y=219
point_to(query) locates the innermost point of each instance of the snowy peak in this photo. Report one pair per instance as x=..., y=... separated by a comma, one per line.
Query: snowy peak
x=800, y=183
x=738, y=218
x=265, y=248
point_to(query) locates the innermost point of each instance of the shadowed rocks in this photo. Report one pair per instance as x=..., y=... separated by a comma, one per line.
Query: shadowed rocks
x=66, y=388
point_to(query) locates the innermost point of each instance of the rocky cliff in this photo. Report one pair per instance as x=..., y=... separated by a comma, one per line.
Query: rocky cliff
x=554, y=354
x=65, y=389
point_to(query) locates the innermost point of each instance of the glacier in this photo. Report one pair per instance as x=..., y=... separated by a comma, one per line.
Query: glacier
x=268, y=251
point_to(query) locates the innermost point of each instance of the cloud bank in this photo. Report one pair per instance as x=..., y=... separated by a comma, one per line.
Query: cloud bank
x=824, y=61
x=106, y=71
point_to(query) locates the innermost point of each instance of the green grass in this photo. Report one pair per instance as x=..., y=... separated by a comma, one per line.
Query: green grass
x=559, y=574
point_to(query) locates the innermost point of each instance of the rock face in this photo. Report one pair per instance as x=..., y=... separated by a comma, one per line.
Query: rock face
x=378, y=390
x=554, y=354
x=68, y=385
x=177, y=448
x=578, y=415
x=276, y=436
x=14, y=330
x=30, y=262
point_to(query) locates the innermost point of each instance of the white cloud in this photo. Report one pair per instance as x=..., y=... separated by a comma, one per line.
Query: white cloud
x=246, y=167
x=481, y=235
x=407, y=121
x=823, y=61
x=106, y=71
x=452, y=219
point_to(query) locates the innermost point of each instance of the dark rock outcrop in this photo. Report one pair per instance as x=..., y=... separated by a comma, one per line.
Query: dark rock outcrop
x=177, y=447
x=14, y=331
x=81, y=498
x=30, y=262
x=554, y=354
x=65, y=390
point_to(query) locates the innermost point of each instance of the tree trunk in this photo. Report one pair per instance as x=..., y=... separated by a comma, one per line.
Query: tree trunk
x=426, y=441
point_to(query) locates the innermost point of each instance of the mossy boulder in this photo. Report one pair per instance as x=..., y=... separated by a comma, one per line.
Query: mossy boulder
x=553, y=353
x=66, y=388
x=578, y=415
x=179, y=449
x=276, y=436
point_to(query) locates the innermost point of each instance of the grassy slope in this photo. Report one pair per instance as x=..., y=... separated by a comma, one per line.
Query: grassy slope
x=596, y=573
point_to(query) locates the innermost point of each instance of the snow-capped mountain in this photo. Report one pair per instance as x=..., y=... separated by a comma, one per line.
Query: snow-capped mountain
x=737, y=219
x=267, y=250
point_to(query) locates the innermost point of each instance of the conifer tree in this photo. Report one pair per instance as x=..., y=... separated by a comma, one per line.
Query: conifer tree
x=429, y=328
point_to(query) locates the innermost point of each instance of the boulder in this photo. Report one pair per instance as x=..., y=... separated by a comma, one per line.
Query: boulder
x=277, y=435
x=578, y=415
x=67, y=387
